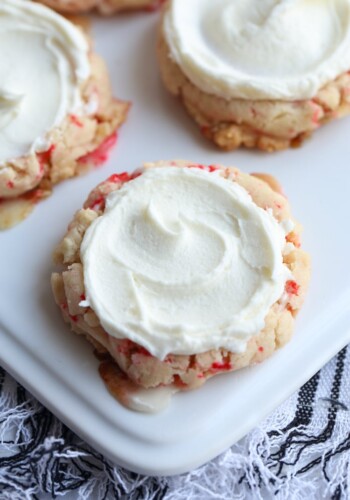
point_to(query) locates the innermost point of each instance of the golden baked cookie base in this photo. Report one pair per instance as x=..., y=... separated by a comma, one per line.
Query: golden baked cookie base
x=186, y=372
x=264, y=124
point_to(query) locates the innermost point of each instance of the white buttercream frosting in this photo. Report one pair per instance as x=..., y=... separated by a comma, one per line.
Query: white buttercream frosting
x=183, y=261
x=43, y=61
x=259, y=49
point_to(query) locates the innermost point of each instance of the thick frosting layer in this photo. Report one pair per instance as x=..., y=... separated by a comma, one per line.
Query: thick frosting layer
x=260, y=49
x=43, y=61
x=183, y=261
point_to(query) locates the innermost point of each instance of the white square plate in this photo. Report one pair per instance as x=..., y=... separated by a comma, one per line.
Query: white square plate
x=60, y=369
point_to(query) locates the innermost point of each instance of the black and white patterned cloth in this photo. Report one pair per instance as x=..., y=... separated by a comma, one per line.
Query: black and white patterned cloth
x=301, y=451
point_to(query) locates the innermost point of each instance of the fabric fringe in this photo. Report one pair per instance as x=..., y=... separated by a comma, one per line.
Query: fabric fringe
x=301, y=451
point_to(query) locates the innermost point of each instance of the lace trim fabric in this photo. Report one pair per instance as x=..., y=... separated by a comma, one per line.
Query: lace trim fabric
x=302, y=450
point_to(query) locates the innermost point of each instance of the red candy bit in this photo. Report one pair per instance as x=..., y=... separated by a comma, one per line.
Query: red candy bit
x=82, y=296
x=100, y=154
x=73, y=318
x=123, y=177
x=225, y=365
x=316, y=114
x=292, y=287
x=75, y=120
x=260, y=349
x=45, y=156
x=115, y=178
x=200, y=375
x=209, y=168
x=213, y=168
x=179, y=382
x=98, y=203
x=144, y=352
x=41, y=171
x=63, y=306
x=10, y=184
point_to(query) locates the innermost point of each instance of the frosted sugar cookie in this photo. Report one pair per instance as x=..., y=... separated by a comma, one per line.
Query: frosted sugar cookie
x=253, y=73
x=181, y=272
x=58, y=115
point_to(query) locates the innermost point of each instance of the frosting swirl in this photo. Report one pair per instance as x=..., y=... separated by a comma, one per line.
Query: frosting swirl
x=43, y=61
x=183, y=261
x=259, y=49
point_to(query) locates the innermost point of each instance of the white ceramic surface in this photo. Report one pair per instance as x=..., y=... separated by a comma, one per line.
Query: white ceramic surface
x=60, y=369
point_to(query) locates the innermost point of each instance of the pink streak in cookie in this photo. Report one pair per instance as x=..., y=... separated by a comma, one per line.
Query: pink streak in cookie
x=292, y=287
x=100, y=154
x=144, y=352
x=178, y=382
x=75, y=120
x=316, y=114
x=116, y=178
x=45, y=157
x=224, y=365
x=98, y=204
x=208, y=168
x=123, y=177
